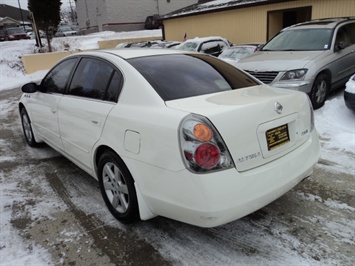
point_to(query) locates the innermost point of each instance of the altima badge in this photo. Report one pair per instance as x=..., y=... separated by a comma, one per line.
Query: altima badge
x=278, y=107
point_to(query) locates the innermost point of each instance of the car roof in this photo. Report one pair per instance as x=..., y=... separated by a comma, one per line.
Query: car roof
x=323, y=23
x=204, y=39
x=135, y=52
x=245, y=45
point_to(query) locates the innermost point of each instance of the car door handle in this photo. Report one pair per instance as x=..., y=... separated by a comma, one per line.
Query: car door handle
x=54, y=111
x=95, y=122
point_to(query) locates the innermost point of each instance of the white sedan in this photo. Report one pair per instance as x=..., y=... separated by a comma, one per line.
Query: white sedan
x=349, y=93
x=178, y=134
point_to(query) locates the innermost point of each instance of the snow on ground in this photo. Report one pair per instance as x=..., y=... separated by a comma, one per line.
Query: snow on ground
x=12, y=73
x=334, y=122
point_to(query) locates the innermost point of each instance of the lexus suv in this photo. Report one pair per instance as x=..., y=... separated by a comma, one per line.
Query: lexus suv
x=315, y=57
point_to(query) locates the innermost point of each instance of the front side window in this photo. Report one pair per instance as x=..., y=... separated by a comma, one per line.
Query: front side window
x=57, y=78
x=91, y=79
x=300, y=40
x=351, y=32
x=345, y=35
x=181, y=76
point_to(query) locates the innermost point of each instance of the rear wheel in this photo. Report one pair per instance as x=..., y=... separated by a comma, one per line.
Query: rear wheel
x=117, y=188
x=320, y=90
x=27, y=128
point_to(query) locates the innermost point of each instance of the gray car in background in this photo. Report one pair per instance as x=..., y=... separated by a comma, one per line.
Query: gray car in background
x=64, y=31
x=315, y=57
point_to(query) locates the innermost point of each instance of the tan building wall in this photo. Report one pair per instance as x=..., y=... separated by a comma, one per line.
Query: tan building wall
x=36, y=62
x=249, y=24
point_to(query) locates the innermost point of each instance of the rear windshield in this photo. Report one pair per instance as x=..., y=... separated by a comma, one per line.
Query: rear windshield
x=181, y=76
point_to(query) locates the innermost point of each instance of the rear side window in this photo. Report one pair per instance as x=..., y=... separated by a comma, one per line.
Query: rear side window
x=115, y=87
x=180, y=76
x=57, y=78
x=91, y=79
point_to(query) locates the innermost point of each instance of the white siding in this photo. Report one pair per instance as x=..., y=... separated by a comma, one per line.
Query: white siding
x=120, y=15
x=91, y=14
x=133, y=11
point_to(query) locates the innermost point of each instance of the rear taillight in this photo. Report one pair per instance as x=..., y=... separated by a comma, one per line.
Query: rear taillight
x=202, y=147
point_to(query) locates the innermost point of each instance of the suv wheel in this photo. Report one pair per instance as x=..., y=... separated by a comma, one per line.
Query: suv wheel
x=319, y=90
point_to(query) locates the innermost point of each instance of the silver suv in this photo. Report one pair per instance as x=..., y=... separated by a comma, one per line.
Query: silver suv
x=314, y=57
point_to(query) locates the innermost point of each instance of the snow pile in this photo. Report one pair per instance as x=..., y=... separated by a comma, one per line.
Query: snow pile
x=334, y=121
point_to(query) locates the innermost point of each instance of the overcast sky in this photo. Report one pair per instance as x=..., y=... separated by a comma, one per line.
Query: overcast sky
x=23, y=3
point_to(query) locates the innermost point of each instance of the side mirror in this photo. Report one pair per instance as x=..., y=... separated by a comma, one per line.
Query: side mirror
x=260, y=46
x=30, y=87
x=339, y=46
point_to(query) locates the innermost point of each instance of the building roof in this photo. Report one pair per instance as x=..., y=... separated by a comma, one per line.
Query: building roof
x=14, y=12
x=217, y=5
x=7, y=20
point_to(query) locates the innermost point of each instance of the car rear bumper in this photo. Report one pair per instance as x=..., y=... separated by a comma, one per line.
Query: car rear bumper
x=209, y=200
x=349, y=99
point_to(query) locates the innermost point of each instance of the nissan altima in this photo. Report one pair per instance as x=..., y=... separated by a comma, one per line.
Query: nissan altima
x=170, y=133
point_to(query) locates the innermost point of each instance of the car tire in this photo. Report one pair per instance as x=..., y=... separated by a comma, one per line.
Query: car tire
x=320, y=90
x=27, y=128
x=117, y=188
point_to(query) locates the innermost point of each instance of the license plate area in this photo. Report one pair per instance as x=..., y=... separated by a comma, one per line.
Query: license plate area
x=277, y=137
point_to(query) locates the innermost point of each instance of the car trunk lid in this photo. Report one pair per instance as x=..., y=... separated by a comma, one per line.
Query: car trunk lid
x=258, y=124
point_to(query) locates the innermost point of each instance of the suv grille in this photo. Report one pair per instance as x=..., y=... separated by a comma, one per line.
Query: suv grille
x=266, y=77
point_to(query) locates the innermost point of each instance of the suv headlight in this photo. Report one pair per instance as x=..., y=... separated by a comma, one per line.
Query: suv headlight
x=296, y=74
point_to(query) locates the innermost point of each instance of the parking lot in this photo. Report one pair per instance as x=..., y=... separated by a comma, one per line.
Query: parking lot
x=52, y=213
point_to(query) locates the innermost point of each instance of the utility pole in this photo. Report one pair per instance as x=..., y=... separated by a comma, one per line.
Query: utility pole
x=23, y=22
x=158, y=7
x=72, y=12
x=36, y=31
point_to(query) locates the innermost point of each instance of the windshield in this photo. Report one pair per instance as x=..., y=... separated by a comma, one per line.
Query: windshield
x=65, y=29
x=237, y=53
x=187, y=46
x=300, y=40
x=15, y=30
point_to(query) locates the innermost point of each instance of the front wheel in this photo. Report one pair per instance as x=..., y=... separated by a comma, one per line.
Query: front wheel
x=27, y=128
x=117, y=188
x=319, y=90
